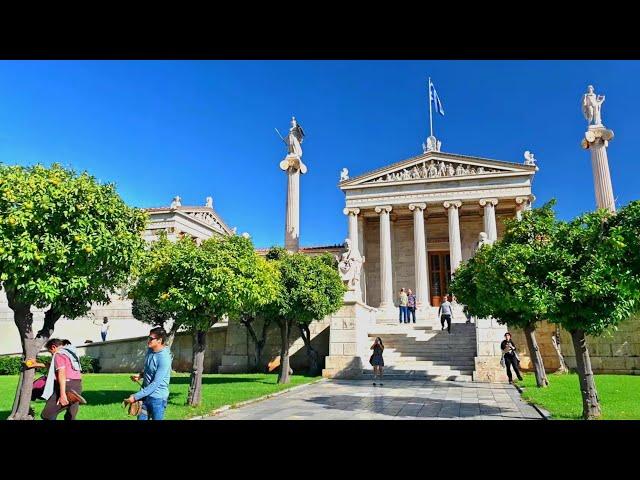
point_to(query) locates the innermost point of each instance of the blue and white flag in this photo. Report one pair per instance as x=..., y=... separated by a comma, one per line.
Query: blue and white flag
x=433, y=97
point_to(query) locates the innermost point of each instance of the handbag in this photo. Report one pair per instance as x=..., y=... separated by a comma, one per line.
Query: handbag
x=502, y=363
x=371, y=359
x=133, y=409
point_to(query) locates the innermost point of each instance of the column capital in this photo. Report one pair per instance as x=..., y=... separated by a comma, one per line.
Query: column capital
x=492, y=201
x=351, y=211
x=452, y=203
x=383, y=209
x=419, y=206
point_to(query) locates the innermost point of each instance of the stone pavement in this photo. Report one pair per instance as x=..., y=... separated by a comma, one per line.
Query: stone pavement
x=418, y=399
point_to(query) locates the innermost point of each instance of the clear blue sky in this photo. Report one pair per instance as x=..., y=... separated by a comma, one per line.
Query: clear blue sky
x=197, y=128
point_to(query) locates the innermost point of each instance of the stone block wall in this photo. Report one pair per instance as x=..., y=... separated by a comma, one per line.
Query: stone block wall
x=348, y=342
x=544, y=332
x=239, y=350
x=127, y=356
x=614, y=352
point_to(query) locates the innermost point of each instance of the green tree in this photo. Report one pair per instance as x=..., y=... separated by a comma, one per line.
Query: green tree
x=66, y=241
x=311, y=290
x=200, y=285
x=597, y=275
x=147, y=312
x=510, y=281
x=267, y=278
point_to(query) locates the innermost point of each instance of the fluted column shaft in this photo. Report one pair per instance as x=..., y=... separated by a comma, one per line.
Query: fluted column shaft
x=386, y=278
x=420, y=254
x=602, y=176
x=292, y=223
x=352, y=215
x=490, y=228
x=455, y=245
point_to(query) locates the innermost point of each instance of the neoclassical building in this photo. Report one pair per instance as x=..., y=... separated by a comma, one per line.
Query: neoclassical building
x=176, y=220
x=414, y=221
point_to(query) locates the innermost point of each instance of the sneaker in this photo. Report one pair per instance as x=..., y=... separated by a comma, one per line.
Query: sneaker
x=381, y=384
x=510, y=381
x=374, y=384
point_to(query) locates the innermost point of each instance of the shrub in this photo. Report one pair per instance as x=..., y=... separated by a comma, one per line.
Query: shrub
x=11, y=365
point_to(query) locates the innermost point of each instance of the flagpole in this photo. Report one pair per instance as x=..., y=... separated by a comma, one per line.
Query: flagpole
x=430, y=114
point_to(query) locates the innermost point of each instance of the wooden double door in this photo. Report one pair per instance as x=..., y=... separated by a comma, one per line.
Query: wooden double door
x=439, y=276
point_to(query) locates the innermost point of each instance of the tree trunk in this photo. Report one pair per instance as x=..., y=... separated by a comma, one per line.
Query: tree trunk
x=258, y=344
x=590, y=402
x=199, y=347
x=284, y=376
x=555, y=339
x=312, y=353
x=171, y=336
x=536, y=358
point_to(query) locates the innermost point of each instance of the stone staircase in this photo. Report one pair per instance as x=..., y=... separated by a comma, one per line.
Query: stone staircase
x=423, y=350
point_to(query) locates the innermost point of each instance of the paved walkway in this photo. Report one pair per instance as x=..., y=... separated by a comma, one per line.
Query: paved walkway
x=397, y=399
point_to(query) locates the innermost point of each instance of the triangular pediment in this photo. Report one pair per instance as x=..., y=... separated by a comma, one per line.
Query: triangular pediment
x=438, y=167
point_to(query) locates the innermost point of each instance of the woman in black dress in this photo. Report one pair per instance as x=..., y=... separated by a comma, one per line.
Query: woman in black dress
x=376, y=359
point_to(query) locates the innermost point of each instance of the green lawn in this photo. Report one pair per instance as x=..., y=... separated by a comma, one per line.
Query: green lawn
x=104, y=393
x=619, y=396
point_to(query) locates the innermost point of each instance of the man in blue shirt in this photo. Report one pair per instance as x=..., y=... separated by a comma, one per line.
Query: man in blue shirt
x=156, y=376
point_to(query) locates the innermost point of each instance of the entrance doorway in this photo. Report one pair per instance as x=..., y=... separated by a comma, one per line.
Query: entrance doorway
x=439, y=275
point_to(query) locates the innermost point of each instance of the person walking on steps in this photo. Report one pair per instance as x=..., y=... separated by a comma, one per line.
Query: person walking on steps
x=510, y=357
x=445, y=312
x=376, y=360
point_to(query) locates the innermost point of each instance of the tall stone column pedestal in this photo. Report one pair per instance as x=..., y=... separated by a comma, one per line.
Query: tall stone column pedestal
x=596, y=140
x=489, y=334
x=349, y=341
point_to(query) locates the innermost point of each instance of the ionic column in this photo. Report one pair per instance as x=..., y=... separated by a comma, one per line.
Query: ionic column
x=294, y=168
x=386, y=279
x=597, y=139
x=420, y=254
x=363, y=277
x=522, y=203
x=490, y=228
x=455, y=245
x=352, y=214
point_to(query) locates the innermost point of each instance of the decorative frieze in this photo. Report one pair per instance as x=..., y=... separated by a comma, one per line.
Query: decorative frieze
x=435, y=169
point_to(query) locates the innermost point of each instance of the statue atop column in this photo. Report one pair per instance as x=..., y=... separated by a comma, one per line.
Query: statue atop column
x=177, y=202
x=294, y=148
x=596, y=139
x=591, y=107
x=295, y=138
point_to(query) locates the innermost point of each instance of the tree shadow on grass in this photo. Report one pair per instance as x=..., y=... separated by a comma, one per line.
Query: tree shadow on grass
x=228, y=380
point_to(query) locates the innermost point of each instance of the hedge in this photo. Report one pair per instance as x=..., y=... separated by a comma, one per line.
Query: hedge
x=11, y=365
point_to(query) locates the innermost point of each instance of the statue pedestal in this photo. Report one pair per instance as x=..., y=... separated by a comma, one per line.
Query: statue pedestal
x=349, y=340
x=487, y=368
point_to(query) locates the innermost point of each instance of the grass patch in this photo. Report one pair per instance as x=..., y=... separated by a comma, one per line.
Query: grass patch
x=619, y=396
x=105, y=392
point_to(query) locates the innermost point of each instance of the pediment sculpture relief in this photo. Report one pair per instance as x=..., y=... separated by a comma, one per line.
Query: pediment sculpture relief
x=435, y=169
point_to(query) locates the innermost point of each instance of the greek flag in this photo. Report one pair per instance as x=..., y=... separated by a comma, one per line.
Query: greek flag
x=433, y=97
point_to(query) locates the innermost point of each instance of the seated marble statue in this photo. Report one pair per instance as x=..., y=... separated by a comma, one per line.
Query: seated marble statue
x=350, y=264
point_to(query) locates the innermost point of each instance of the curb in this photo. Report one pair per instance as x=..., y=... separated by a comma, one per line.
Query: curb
x=543, y=413
x=224, y=408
